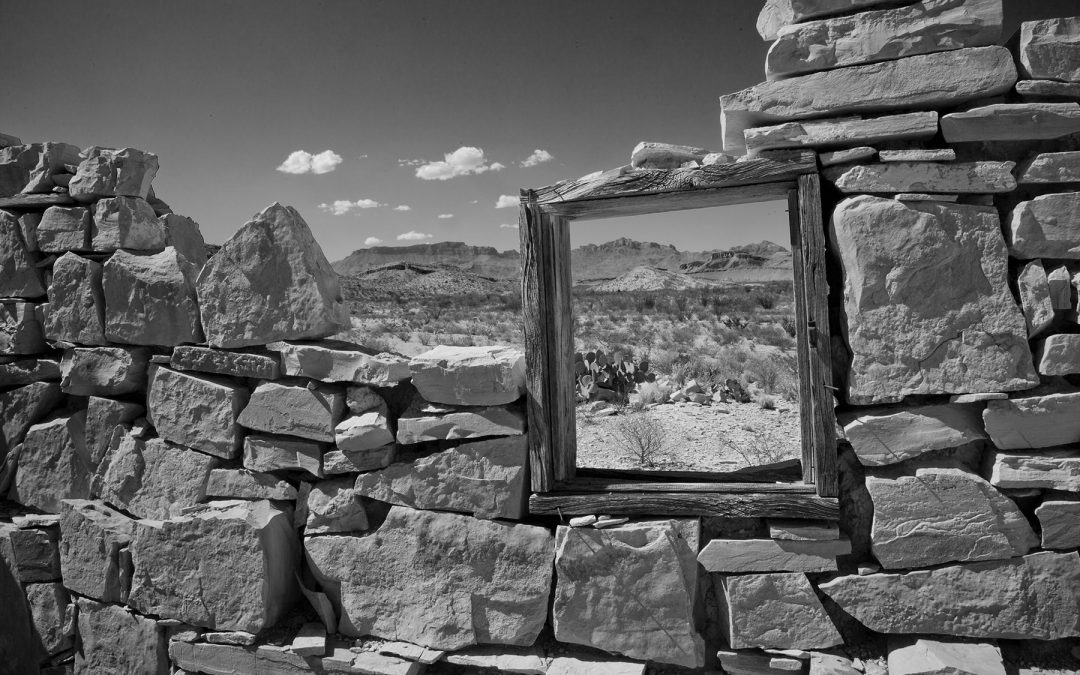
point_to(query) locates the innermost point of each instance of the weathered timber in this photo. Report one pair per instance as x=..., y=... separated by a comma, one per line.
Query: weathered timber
x=788, y=470
x=674, y=503
x=580, y=484
x=36, y=201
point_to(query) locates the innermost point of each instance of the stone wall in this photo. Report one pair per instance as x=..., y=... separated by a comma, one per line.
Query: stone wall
x=199, y=478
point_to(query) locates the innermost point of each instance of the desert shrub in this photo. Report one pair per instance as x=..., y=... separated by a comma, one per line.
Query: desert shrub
x=763, y=448
x=773, y=374
x=765, y=301
x=642, y=436
x=767, y=402
x=652, y=392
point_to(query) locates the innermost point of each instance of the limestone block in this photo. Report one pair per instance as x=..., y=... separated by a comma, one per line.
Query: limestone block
x=92, y=536
x=308, y=412
x=128, y=223
x=150, y=299
x=923, y=197
x=775, y=611
x=229, y=566
x=32, y=554
x=1050, y=49
x=737, y=556
x=593, y=665
x=1058, y=279
x=756, y=662
x=370, y=662
x=1048, y=90
x=183, y=234
x=244, y=484
x=236, y=364
x=20, y=330
x=441, y=580
x=1060, y=523
x=957, y=330
x=1059, y=355
x=117, y=641
x=485, y=479
x=925, y=657
x=1034, y=422
x=18, y=372
x=1051, y=167
x=366, y=431
x=197, y=411
x=102, y=416
x=352, y=461
x=1035, y=597
x=957, y=177
x=281, y=453
x=919, y=155
x=882, y=436
x=424, y=421
x=411, y=652
x=926, y=81
x=1012, y=122
x=105, y=172
x=28, y=224
x=1047, y=226
x=848, y=156
x=310, y=640
x=19, y=278
x=1035, y=297
x=103, y=371
x=333, y=506
x=64, y=228
x=503, y=659
x=50, y=607
x=270, y=281
x=1053, y=470
x=944, y=515
x=803, y=530
x=20, y=408
x=648, y=155
x=76, y=302
x=334, y=361
x=777, y=14
x=16, y=163
x=53, y=160
x=881, y=35
x=842, y=131
x=206, y=657
x=469, y=375
x=153, y=478
x=362, y=399
x=53, y=463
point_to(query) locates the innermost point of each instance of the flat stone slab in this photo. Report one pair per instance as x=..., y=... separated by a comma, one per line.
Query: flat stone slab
x=756, y=662
x=803, y=530
x=1051, y=167
x=925, y=656
x=776, y=14
x=1047, y=226
x=76, y=302
x=842, y=131
x=1051, y=470
x=883, y=436
x=152, y=478
x=1012, y=122
x=353, y=461
x=955, y=177
x=244, y=484
x=1034, y=422
x=775, y=611
x=104, y=371
x=220, y=362
x=502, y=659
x=926, y=155
x=1036, y=91
x=365, y=431
x=113, y=639
x=1036, y=597
x=424, y=421
x=1050, y=49
x=335, y=362
x=307, y=412
x=1059, y=355
x=197, y=411
x=469, y=375
x=1059, y=521
x=593, y=665
x=737, y=556
x=280, y=453
x=849, y=156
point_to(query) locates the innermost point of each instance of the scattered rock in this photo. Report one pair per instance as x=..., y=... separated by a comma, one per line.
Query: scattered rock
x=244, y=484
x=76, y=302
x=153, y=478
x=342, y=362
x=1052, y=470
x=22, y=407
x=957, y=177
x=308, y=412
x=775, y=611
x=882, y=436
x=1045, y=227
x=19, y=278
x=1051, y=167
x=1059, y=355
x=64, y=228
x=20, y=330
x=103, y=371
x=1034, y=422
x=216, y=361
x=366, y=431
x=53, y=463
x=183, y=234
x=469, y=375
x=127, y=222
x=736, y=556
x=424, y=421
x=842, y=131
x=334, y=506
x=1012, y=122
x=118, y=641
x=1050, y=49
x=648, y=155
x=92, y=536
x=197, y=411
x=281, y=453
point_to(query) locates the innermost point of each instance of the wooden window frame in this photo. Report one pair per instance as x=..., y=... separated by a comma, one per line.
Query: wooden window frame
x=558, y=486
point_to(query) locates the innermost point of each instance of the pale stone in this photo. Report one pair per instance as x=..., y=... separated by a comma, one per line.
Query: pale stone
x=232, y=637
x=32, y=554
x=307, y=412
x=362, y=399
x=944, y=515
x=848, y=156
x=1059, y=355
x=866, y=37
x=424, y=421
x=103, y=371
x=53, y=463
x=923, y=197
x=102, y=416
x=883, y=436
x=153, y=478
x=927, y=155
x=628, y=590
x=126, y=222
x=150, y=299
x=92, y=536
x=583, y=521
x=197, y=411
x=1053, y=470
x=117, y=641
x=76, y=302
x=1012, y=122
x=411, y=652
x=270, y=281
x=281, y=453
x=592, y=665
x=485, y=479
x=338, y=461
x=956, y=177
x=1048, y=226
x=53, y=161
x=604, y=522
x=334, y=506
x=49, y=606
x=370, y=663
x=648, y=155
x=755, y=662
x=843, y=131
x=1058, y=279
x=16, y=163
x=20, y=330
x=1048, y=90
x=19, y=277
x=803, y=530
x=244, y=484
x=105, y=172
x=64, y=228
x=432, y=579
x=1051, y=167
x=206, y=657
x=1034, y=422
x=933, y=657
x=1035, y=297
x=19, y=372
x=1050, y=49
x=978, y=398
x=331, y=362
x=777, y=611
x=310, y=640
x=229, y=566
x=183, y=234
x=23, y=407
x=1060, y=524
x=235, y=364
x=736, y=556
x=957, y=330
x=469, y=375
x=926, y=81
x=366, y=431
x=779, y=13
x=503, y=659
x=1035, y=597
x=28, y=224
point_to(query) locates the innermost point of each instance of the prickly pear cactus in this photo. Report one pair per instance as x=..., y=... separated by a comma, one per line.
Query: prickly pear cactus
x=608, y=377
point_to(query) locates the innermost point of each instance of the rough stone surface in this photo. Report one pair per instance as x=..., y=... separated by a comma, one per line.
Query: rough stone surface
x=1033, y=597
x=103, y=371
x=485, y=479
x=737, y=556
x=362, y=399
x=105, y=172
x=1048, y=226
x=216, y=361
x=32, y=554
x=153, y=478
x=842, y=131
x=1051, y=167
x=1048, y=90
x=64, y=228
x=957, y=330
x=18, y=276
x=334, y=506
x=648, y=155
x=52, y=161
x=438, y=579
x=957, y=177
x=917, y=155
x=1035, y=297
x=127, y=222
x=20, y=330
x=1053, y=470
x=270, y=281
x=593, y=665
x=1050, y=49
x=183, y=234
x=53, y=463
x=342, y=362
x=102, y=416
x=1012, y=122
x=1059, y=521
x=503, y=659
x=150, y=299
x=244, y=484
x=20, y=408
x=469, y=375
x=925, y=81
x=776, y=14
x=281, y=453
x=117, y=641
x=929, y=657
x=1059, y=281
x=890, y=435
x=206, y=657
x=1059, y=355
x=849, y=156
x=49, y=606
x=307, y=412
x=424, y=421
x=93, y=534
x=866, y=37
x=229, y=566
x=197, y=411
x=803, y=530
x=1034, y=422
x=775, y=611
x=338, y=461
x=17, y=372
x=76, y=302
x=944, y=515
x=365, y=431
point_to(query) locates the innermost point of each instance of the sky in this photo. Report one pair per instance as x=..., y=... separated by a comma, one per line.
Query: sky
x=353, y=110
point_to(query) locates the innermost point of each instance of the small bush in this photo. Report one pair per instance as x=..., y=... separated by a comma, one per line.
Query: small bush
x=766, y=402
x=642, y=436
x=652, y=392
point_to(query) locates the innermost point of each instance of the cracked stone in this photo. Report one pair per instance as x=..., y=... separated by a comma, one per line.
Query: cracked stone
x=1034, y=421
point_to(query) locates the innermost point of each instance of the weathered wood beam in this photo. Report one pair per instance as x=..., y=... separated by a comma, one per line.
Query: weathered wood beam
x=799, y=506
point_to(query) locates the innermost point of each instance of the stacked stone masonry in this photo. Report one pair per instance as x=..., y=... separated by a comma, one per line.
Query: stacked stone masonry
x=199, y=479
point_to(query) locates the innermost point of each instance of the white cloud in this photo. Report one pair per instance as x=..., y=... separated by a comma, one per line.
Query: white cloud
x=302, y=161
x=372, y=241
x=464, y=161
x=538, y=156
x=413, y=235
x=410, y=162
x=445, y=216
x=509, y=226
x=342, y=206
x=475, y=201
x=403, y=207
x=507, y=202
